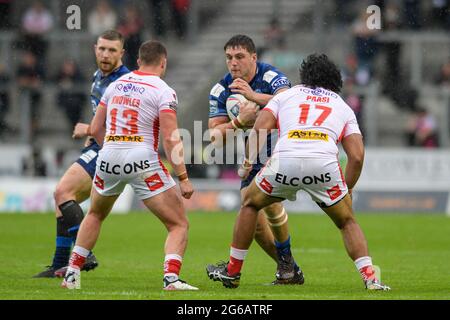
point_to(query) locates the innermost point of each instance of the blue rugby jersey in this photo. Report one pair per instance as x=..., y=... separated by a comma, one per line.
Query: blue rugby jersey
x=100, y=83
x=267, y=79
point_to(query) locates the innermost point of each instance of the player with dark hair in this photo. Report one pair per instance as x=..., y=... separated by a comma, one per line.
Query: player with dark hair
x=75, y=185
x=318, y=71
x=132, y=121
x=258, y=82
x=312, y=120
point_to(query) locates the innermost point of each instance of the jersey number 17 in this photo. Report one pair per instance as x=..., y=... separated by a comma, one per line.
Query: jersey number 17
x=304, y=107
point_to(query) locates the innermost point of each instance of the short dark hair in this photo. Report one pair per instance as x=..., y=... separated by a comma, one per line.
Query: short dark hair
x=241, y=40
x=318, y=71
x=151, y=52
x=112, y=35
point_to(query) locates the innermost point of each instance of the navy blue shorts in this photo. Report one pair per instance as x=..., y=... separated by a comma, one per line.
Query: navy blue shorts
x=251, y=176
x=88, y=158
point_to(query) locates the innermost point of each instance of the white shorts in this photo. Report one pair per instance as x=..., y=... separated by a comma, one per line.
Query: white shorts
x=137, y=167
x=322, y=179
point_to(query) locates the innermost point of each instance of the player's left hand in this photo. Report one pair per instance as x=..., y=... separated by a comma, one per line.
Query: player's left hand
x=242, y=87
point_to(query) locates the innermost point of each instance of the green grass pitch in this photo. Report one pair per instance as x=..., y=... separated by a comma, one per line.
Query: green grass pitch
x=413, y=252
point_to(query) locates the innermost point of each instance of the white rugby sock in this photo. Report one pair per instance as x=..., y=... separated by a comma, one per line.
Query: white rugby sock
x=363, y=262
x=81, y=251
x=238, y=253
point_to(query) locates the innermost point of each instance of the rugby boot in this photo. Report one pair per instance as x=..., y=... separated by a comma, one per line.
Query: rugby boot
x=219, y=272
x=90, y=264
x=49, y=272
x=288, y=272
x=72, y=279
x=174, y=284
x=375, y=284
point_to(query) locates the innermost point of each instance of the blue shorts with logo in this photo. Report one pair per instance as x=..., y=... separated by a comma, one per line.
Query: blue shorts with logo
x=88, y=158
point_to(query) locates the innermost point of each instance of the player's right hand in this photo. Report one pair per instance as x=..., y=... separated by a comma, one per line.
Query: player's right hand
x=186, y=189
x=80, y=130
x=248, y=111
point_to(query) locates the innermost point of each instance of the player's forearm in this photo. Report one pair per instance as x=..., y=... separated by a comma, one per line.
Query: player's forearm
x=100, y=137
x=98, y=132
x=354, y=148
x=353, y=171
x=261, y=98
x=174, y=151
x=220, y=133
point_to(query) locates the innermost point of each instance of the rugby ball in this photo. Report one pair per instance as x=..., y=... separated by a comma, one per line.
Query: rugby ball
x=233, y=104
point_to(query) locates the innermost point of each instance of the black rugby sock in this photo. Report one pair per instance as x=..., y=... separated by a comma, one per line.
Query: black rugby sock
x=73, y=215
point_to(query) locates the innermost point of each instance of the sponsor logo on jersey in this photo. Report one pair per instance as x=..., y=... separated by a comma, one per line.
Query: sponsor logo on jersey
x=173, y=105
x=307, y=135
x=217, y=90
x=213, y=106
x=282, y=82
x=319, y=91
x=269, y=75
x=334, y=192
x=110, y=138
x=88, y=156
x=306, y=180
x=266, y=186
x=154, y=182
x=99, y=182
x=127, y=168
x=129, y=87
x=94, y=105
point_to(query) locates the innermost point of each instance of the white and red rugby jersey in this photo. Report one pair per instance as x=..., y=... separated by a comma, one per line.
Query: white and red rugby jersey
x=134, y=102
x=311, y=122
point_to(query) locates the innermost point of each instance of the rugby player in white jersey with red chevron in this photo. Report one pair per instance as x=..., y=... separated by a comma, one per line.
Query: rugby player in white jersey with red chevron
x=134, y=110
x=312, y=119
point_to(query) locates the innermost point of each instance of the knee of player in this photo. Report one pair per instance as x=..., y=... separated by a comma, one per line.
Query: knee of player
x=274, y=209
x=62, y=193
x=345, y=222
x=248, y=202
x=179, y=224
x=97, y=214
x=185, y=224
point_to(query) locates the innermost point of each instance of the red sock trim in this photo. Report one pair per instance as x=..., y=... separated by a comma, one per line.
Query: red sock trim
x=234, y=266
x=367, y=272
x=76, y=260
x=172, y=266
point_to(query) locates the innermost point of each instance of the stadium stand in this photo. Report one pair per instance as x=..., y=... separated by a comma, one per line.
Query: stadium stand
x=421, y=47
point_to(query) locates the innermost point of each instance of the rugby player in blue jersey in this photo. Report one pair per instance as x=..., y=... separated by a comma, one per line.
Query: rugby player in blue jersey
x=258, y=82
x=75, y=185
